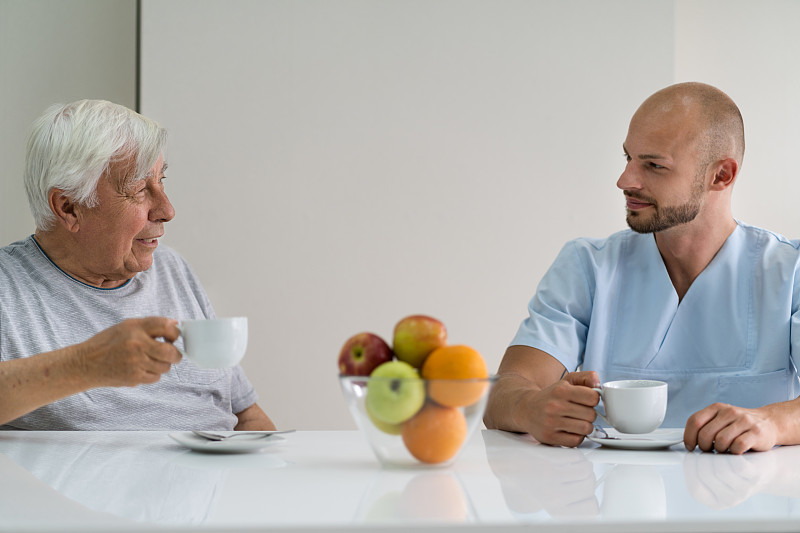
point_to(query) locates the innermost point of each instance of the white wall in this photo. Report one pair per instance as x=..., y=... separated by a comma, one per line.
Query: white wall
x=752, y=51
x=56, y=51
x=337, y=165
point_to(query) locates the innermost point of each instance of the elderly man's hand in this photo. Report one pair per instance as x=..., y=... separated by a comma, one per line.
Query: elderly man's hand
x=130, y=353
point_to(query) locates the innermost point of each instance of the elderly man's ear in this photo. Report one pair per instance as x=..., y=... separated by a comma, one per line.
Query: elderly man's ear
x=64, y=208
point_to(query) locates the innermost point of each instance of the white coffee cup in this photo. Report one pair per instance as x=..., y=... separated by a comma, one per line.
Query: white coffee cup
x=215, y=342
x=634, y=405
x=634, y=492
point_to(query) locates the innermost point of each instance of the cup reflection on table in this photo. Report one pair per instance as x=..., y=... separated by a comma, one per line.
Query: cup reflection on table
x=559, y=481
x=633, y=492
x=577, y=482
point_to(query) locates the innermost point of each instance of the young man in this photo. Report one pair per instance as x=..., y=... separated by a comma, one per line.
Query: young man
x=688, y=295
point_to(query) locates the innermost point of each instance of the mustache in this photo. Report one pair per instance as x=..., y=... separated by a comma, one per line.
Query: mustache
x=640, y=197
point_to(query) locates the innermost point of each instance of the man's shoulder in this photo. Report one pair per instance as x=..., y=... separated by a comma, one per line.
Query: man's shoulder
x=17, y=255
x=612, y=242
x=772, y=238
x=599, y=253
x=15, y=248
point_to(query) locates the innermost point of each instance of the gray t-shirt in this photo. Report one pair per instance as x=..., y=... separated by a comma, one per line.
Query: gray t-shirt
x=43, y=309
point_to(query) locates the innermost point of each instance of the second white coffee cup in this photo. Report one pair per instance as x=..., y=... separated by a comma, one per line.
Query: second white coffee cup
x=215, y=342
x=634, y=405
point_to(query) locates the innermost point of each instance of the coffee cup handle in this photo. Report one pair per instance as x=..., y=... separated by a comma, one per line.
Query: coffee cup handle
x=179, y=325
x=601, y=415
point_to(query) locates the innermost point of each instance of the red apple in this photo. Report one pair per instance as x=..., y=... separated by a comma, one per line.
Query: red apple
x=362, y=353
x=416, y=336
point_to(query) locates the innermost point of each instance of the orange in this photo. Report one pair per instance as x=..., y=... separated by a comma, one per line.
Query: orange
x=457, y=362
x=435, y=434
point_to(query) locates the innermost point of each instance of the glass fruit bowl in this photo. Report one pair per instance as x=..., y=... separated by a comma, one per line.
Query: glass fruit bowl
x=414, y=421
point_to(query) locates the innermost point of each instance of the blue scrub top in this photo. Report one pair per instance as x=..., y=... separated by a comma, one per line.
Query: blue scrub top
x=609, y=305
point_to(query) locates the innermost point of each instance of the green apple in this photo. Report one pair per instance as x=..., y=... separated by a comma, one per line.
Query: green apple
x=395, y=392
x=416, y=336
x=390, y=429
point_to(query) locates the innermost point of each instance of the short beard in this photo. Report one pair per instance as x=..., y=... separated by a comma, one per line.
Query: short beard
x=665, y=218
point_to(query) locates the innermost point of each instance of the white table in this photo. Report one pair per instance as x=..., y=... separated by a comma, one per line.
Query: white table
x=144, y=481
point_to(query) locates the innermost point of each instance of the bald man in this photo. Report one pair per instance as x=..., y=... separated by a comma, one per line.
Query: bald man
x=688, y=295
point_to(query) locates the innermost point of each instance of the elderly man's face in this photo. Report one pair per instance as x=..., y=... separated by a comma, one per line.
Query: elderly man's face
x=120, y=235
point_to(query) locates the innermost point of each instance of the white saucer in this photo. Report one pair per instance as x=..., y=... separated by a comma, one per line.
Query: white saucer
x=658, y=439
x=242, y=444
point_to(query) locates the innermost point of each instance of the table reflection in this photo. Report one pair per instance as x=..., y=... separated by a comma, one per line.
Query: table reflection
x=123, y=481
x=579, y=482
x=415, y=496
x=633, y=485
x=722, y=481
x=163, y=484
x=559, y=481
x=541, y=482
x=633, y=492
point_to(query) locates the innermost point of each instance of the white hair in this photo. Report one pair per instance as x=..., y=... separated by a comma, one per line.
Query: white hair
x=72, y=145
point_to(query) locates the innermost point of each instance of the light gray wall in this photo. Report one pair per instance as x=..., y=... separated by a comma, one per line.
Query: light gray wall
x=754, y=54
x=337, y=165
x=56, y=51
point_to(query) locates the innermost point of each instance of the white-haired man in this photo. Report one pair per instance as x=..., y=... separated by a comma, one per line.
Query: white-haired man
x=89, y=304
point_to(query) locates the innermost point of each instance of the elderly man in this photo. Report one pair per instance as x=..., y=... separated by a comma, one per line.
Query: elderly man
x=690, y=296
x=85, y=342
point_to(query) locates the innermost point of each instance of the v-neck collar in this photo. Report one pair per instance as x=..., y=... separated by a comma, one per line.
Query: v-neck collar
x=654, y=318
x=719, y=258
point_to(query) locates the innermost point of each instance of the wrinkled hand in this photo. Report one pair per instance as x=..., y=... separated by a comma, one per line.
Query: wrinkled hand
x=726, y=428
x=130, y=353
x=563, y=413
